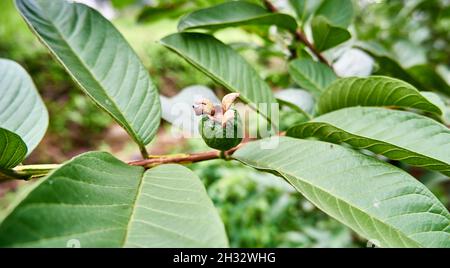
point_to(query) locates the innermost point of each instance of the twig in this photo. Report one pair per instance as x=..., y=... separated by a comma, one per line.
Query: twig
x=143, y=151
x=270, y=6
x=190, y=158
x=27, y=172
x=184, y=158
x=301, y=37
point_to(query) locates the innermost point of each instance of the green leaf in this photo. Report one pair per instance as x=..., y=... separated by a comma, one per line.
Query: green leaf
x=304, y=8
x=430, y=78
x=97, y=201
x=327, y=36
x=235, y=13
x=389, y=66
x=424, y=77
x=338, y=12
x=22, y=110
x=409, y=54
x=151, y=14
x=224, y=65
x=100, y=60
x=437, y=101
x=373, y=91
x=12, y=149
x=398, y=135
x=300, y=8
x=444, y=72
x=379, y=201
x=122, y=3
x=311, y=75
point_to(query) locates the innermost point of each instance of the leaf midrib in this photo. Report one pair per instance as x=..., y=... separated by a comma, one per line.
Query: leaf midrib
x=133, y=209
x=311, y=81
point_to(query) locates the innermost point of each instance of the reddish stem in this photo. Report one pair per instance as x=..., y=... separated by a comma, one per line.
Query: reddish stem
x=301, y=37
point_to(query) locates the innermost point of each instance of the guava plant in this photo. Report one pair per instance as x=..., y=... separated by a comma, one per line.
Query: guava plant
x=339, y=155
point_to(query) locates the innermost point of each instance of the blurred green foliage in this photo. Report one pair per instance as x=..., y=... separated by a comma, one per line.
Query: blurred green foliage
x=424, y=24
x=258, y=209
x=170, y=73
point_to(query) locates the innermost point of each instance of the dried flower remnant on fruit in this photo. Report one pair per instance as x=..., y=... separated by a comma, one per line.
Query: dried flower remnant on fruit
x=204, y=106
x=228, y=100
x=227, y=116
x=220, y=125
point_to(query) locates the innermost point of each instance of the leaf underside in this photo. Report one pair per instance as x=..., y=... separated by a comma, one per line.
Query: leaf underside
x=98, y=201
x=100, y=60
x=398, y=135
x=380, y=202
x=311, y=75
x=373, y=91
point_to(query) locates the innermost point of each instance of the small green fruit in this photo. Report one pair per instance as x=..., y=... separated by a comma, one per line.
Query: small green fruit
x=222, y=135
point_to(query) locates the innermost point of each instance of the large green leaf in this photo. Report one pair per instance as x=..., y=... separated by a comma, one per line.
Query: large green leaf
x=373, y=91
x=100, y=61
x=95, y=200
x=327, y=36
x=224, y=65
x=398, y=135
x=12, y=149
x=235, y=13
x=22, y=110
x=379, y=201
x=311, y=75
x=338, y=12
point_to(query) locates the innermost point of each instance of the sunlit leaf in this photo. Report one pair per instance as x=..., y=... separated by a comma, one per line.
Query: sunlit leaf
x=100, y=60
x=22, y=110
x=235, y=13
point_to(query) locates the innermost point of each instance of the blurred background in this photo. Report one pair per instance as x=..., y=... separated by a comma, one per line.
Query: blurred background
x=258, y=209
